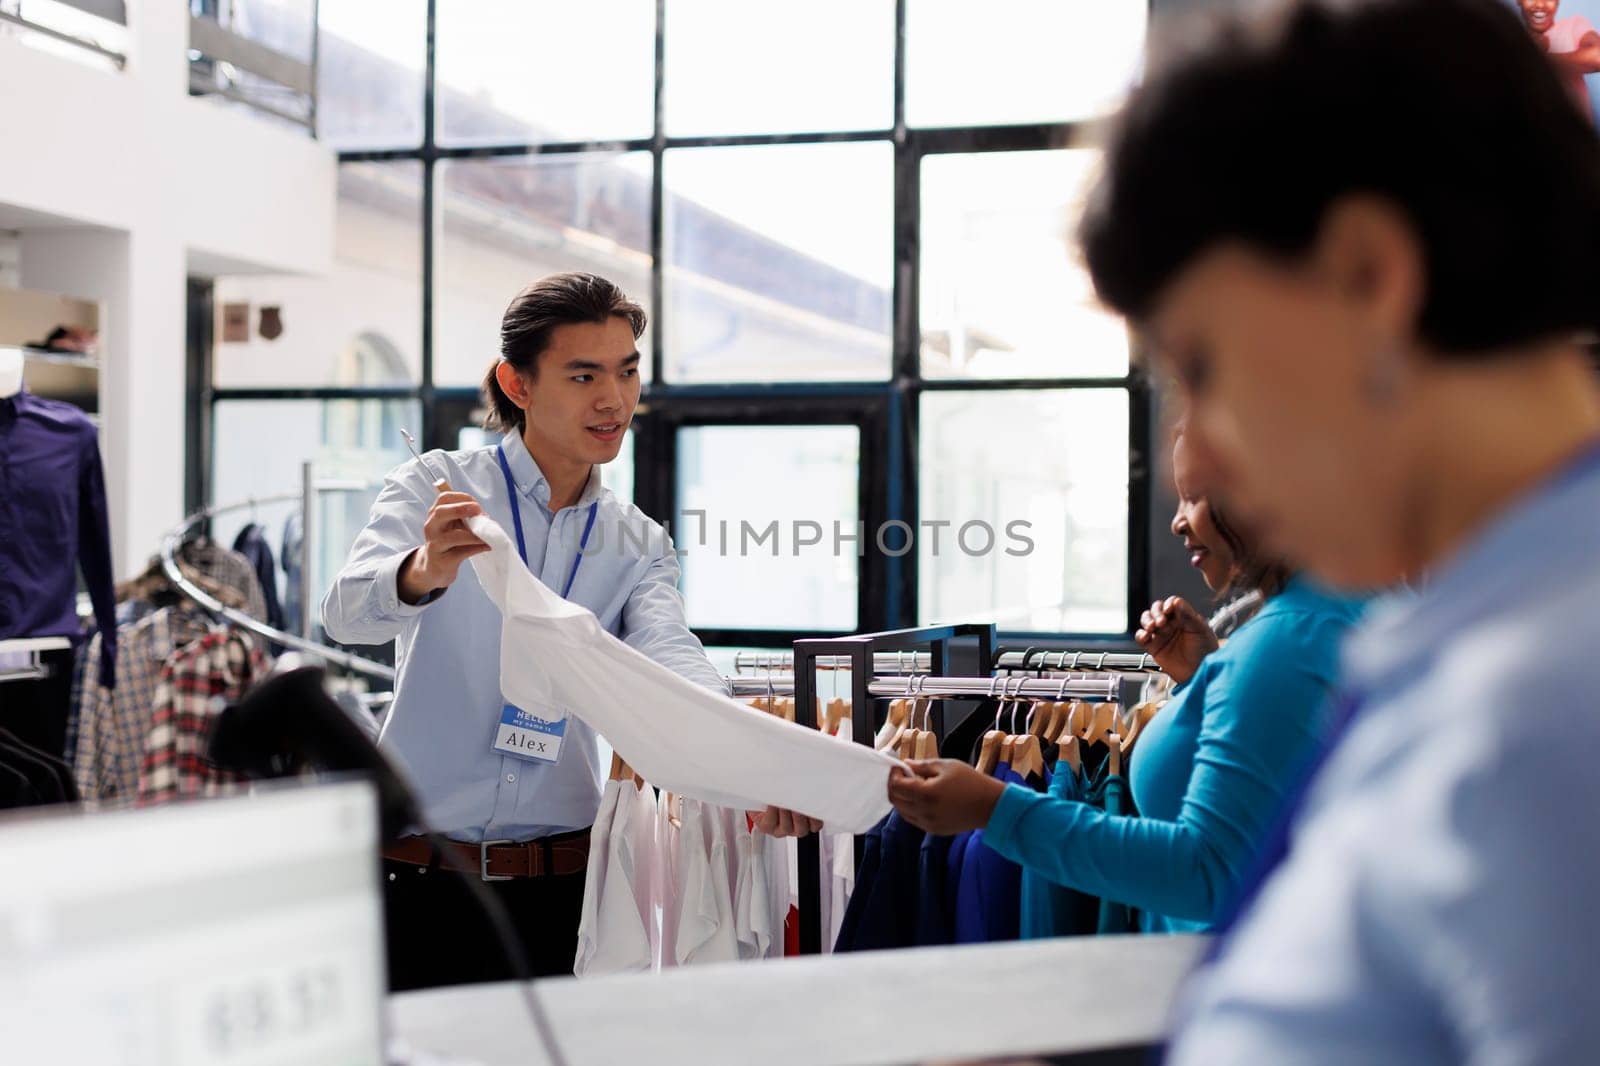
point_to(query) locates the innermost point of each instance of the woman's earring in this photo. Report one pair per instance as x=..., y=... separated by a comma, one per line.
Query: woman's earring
x=1385, y=371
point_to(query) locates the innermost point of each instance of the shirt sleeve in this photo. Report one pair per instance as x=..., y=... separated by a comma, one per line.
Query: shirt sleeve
x=94, y=555
x=654, y=622
x=363, y=606
x=1263, y=715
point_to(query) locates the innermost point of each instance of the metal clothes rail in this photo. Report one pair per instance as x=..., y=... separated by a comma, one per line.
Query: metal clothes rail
x=175, y=539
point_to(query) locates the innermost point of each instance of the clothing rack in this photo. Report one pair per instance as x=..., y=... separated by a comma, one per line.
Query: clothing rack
x=744, y=687
x=20, y=657
x=921, y=662
x=1090, y=689
x=861, y=654
x=175, y=539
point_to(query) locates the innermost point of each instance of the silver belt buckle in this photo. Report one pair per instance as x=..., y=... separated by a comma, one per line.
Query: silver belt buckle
x=483, y=860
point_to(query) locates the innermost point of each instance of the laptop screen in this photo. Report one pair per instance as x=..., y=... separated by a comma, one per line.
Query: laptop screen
x=238, y=930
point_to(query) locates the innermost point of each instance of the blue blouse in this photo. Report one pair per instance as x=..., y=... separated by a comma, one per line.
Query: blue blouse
x=1208, y=776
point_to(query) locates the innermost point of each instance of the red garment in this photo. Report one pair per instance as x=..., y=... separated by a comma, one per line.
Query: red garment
x=791, y=931
x=196, y=684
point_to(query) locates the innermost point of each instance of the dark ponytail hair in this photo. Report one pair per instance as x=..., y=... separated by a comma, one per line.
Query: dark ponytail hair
x=555, y=300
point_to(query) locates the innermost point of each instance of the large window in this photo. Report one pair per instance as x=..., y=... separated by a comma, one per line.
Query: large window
x=878, y=392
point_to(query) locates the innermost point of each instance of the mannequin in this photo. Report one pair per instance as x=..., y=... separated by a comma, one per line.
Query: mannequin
x=53, y=512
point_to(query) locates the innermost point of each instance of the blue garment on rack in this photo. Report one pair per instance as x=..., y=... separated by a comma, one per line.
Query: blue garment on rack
x=936, y=915
x=252, y=544
x=989, y=893
x=1049, y=909
x=882, y=912
x=1208, y=777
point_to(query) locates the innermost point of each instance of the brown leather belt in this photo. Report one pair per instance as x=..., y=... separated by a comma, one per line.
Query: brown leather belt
x=500, y=860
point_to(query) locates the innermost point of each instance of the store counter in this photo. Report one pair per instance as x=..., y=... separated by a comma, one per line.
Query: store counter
x=1084, y=994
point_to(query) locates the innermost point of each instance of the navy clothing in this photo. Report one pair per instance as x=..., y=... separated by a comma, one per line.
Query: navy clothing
x=52, y=516
x=252, y=544
x=936, y=903
x=989, y=892
x=884, y=903
x=866, y=873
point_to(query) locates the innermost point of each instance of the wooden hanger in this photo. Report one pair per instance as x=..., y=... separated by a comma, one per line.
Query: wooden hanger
x=836, y=710
x=1142, y=715
x=1039, y=718
x=1114, y=742
x=617, y=767
x=893, y=722
x=785, y=709
x=927, y=739
x=1070, y=754
x=1102, y=721
x=1029, y=756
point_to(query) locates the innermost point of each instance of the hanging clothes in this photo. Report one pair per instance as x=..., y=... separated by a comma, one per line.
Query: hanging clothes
x=988, y=896
x=617, y=930
x=229, y=569
x=114, y=723
x=48, y=778
x=883, y=910
x=251, y=544
x=194, y=687
x=1049, y=909
x=705, y=926
x=289, y=557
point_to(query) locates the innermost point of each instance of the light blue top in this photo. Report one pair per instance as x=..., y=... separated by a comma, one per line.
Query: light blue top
x=447, y=703
x=1208, y=775
x=1438, y=901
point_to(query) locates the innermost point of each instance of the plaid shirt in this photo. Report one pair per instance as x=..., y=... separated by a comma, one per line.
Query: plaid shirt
x=112, y=723
x=227, y=568
x=195, y=686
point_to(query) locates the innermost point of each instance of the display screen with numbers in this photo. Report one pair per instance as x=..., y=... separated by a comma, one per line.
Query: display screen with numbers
x=244, y=930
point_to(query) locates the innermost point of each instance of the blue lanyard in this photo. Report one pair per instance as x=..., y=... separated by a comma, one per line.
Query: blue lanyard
x=516, y=520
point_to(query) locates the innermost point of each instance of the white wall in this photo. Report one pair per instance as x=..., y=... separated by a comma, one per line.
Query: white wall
x=126, y=184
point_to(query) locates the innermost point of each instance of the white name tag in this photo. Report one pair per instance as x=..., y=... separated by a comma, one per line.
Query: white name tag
x=527, y=736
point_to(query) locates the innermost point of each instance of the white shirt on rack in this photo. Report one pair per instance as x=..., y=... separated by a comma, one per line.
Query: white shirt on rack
x=706, y=927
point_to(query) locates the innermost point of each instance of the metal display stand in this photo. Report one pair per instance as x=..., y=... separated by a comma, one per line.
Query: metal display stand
x=860, y=650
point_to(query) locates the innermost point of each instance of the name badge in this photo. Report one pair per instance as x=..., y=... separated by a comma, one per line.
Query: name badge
x=527, y=736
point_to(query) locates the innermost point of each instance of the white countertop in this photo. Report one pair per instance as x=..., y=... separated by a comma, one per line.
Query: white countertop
x=1035, y=997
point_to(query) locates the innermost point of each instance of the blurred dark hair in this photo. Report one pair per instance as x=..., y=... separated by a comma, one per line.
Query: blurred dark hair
x=1252, y=571
x=1249, y=129
x=555, y=300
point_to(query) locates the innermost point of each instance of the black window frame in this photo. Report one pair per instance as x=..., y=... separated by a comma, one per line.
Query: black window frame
x=886, y=412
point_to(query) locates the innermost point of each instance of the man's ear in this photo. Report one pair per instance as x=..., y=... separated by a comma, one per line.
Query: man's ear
x=513, y=384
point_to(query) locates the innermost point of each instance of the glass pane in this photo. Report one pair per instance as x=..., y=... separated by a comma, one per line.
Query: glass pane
x=769, y=552
x=352, y=443
x=779, y=88
x=369, y=73
x=507, y=222
x=1034, y=487
x=1018, y=60
x=286, y=28
x=542, y=70
x=780, y=262
x=359, y=325
x=63, y=18
x=1003, y=292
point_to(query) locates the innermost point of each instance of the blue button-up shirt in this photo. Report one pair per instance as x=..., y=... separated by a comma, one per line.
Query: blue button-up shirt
x=52, y=514
x=446, y=711
x=1437, y=902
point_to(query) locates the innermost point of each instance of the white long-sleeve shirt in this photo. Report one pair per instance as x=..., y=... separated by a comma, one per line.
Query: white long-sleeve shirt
x=447, y=705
